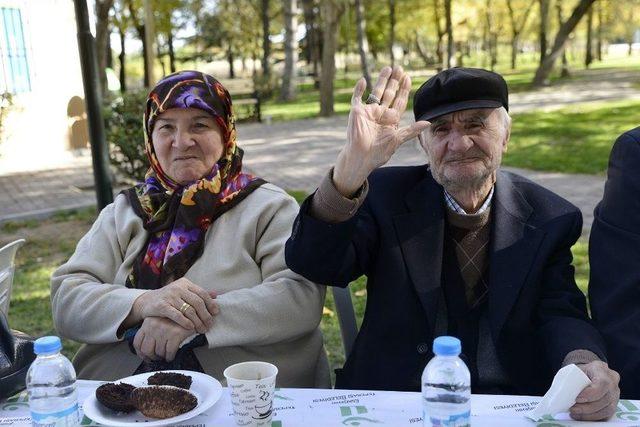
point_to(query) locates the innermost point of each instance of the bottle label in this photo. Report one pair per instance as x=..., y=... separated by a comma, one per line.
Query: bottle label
x=447, y=420
x=67, y=417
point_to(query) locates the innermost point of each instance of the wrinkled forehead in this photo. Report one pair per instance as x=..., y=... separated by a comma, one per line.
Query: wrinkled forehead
x=473, y=114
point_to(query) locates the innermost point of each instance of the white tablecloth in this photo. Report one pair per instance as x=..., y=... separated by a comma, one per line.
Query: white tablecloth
x=321, y=408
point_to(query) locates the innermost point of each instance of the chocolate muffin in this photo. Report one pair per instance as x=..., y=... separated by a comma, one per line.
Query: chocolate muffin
x=116, y=397
x=170, y=378
x=163, y=401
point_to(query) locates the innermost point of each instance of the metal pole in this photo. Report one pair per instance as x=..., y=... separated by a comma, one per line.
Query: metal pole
x=93, y=103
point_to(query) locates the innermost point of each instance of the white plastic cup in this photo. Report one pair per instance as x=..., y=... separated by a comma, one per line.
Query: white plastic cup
x=251, y=385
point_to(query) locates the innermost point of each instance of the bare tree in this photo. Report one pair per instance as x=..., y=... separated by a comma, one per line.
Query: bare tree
x=545, y=67
x=516, y=29
x=363, y=43
x=588, y=57
x=102, y=36
x=449, y=30
x=330, y=11
x=290, y=50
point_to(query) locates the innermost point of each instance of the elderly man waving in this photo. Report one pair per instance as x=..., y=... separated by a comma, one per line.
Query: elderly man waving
x=453, y=247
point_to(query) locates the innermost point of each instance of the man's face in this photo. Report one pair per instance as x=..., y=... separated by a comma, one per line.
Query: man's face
x=465, y=147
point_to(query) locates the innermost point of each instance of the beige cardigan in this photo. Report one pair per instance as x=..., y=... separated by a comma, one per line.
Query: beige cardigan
x=267, y=312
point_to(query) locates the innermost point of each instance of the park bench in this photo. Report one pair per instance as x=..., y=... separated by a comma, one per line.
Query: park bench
x=245, y=98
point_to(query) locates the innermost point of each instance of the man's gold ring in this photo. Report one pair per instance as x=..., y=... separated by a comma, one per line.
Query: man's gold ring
x=184, y=307
x=372, y=99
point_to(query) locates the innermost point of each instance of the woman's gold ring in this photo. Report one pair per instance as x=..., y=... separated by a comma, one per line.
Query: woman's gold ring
x=184, y=307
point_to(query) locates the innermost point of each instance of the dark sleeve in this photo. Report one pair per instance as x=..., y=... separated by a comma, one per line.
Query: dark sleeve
x=331, y=253
x=614, y=257
x=564, y=322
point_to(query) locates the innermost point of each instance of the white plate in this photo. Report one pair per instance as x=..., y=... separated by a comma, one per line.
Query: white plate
x=207, y=389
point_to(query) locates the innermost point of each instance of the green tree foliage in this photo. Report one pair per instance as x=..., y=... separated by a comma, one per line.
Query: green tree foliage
x=125, y=134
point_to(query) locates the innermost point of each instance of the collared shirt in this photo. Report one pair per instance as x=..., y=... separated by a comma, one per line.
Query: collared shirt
x=454, y=206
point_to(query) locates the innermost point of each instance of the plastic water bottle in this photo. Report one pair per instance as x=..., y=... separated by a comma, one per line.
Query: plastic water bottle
x=51, y=386
x=446, y=386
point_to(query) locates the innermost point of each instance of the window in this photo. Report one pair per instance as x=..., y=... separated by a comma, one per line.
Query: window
x=13, y=53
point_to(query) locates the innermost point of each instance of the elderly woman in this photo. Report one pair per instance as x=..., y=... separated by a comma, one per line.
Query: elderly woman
x=197, y=250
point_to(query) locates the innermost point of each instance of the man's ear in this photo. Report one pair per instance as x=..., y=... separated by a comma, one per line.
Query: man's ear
x=422, y=140
x=505, y=142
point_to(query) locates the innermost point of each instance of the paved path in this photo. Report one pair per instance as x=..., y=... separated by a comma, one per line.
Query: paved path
x=295, y=155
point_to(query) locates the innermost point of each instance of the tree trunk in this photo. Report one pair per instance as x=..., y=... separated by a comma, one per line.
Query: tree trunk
x=266, y=43
x=230, y=59
x=363, y=43
x=288, y=92
x=493, y=36
x=109, y=51
x=588, y=57
x=514, y=51
x=422, y=51
x=516, y=30
x=599, y=33
x=392, y=30
x=142, y=31
x=172, y=53
x=449, y=30
x=102, y=36
x=313, y=39
x=141, y=35
x=122, y=58
x=545, y=67
x=330, y=12
x=150, y=37
x=440, y=34
x=542, y=35
x=631, y=28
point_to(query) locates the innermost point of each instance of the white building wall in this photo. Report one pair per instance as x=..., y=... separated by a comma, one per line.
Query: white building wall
x=37, y=131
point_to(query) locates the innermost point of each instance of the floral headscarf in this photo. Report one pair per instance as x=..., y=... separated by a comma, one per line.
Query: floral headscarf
x=177, y=216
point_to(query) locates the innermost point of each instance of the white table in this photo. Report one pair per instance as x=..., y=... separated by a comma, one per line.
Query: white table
x=321, y=408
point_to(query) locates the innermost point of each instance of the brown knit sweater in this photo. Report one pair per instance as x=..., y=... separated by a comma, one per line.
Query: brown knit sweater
x=470, y=235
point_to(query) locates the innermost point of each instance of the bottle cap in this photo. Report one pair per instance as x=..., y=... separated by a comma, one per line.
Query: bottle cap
x=447, y=346
x=47, y=345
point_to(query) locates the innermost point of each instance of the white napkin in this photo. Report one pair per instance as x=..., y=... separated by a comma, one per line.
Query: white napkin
x=566, y=386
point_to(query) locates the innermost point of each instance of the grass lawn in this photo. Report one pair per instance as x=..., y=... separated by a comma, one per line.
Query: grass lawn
x=51, y=242
x=307, y=104
x=576, y=139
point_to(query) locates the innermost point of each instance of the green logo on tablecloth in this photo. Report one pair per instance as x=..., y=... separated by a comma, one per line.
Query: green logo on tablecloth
x=627, y=411
x=16, y=402
x=349, y=411
x=86, y=421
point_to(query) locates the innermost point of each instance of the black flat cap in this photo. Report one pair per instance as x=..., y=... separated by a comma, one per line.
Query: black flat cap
x=458, y=89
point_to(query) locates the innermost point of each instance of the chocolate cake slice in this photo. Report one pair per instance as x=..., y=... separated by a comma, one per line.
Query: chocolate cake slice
x=116, y=397
x=163, y=401
x=170, y=378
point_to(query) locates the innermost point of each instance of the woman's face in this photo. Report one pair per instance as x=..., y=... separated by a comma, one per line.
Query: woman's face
x=188, y=142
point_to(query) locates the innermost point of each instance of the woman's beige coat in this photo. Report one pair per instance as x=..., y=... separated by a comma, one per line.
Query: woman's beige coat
x=267, y=312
